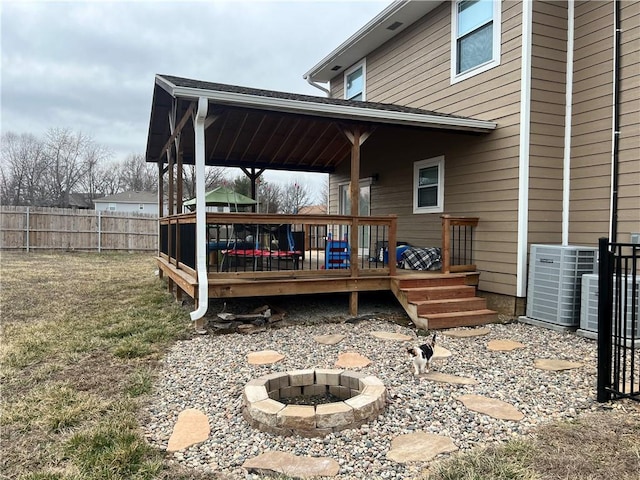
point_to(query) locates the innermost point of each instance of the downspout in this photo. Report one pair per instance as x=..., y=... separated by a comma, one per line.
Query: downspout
x=568, y=112
x=201, y=215
x=314, y=84
x=523, y=167
x=613, y=228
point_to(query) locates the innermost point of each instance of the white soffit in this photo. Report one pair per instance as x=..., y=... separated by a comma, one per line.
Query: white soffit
x=370, y=37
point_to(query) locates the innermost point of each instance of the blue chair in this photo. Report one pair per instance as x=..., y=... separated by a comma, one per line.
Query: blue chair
x=337, y=253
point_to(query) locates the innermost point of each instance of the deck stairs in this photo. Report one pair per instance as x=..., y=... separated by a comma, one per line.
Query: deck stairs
x=442, y=301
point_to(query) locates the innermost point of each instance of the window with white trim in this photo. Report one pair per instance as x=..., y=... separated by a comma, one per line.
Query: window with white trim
x=112, y=207
x=475, y=37
x=141, y=206
x=428, y=185
x=355, y=82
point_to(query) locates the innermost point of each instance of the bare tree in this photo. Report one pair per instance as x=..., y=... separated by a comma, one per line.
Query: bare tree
x=269, y=197
x=295, y=195
x=135, y=174
x=69, y=157
x=213, y=177
x=23, y=169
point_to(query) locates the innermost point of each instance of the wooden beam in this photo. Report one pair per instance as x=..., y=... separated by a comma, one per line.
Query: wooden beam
x=178, y=129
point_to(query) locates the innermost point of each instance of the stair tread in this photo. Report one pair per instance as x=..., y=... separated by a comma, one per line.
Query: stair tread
x=460, y=314
x=446, y=300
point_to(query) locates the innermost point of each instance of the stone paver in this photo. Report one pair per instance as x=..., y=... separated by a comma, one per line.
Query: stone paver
x=555, y=364
x=419, y=447
x=352, y=360
x=264, y=357
x=440, y=353
x=471, y=332
x=503, y=345
x=391, y=336
x=329, y=339
x=192, y=427
x=272, y=462
x=446, y=378
x=492, y=407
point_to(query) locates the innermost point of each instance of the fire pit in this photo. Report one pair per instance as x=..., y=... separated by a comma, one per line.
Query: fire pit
x=302, y=401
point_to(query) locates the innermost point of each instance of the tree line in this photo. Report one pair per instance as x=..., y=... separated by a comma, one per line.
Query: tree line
x=48, y=170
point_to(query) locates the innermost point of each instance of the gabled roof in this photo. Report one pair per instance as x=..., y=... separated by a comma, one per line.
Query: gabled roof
x=250, y=127
x=129, y=197
x=387, y=24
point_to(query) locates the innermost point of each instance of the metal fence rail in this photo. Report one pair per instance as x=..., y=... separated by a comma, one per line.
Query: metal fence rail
x=618, y=321
x=45, y=228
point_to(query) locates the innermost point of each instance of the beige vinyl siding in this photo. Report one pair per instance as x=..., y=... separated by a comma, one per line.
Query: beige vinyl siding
x=591, y=123
x=481, y=171
x=548, y=78
x=629, y=152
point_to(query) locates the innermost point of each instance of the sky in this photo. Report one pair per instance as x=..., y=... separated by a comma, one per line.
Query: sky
x=89, y=65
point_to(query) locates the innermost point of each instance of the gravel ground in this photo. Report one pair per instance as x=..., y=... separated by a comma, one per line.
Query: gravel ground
x=209, y=373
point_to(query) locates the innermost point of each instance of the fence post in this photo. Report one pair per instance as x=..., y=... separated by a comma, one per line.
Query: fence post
x=605, y=306
x=99, y=231
x=28, y=226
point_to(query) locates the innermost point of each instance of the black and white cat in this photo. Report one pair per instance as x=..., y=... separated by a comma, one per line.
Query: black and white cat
x=423, y=355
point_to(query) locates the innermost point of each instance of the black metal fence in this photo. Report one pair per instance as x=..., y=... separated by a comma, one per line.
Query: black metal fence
x=618, y=321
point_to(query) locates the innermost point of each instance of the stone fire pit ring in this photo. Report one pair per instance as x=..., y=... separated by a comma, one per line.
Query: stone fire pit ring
x=363, y=397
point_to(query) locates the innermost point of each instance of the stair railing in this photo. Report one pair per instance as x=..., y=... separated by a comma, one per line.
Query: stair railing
x=457, y=243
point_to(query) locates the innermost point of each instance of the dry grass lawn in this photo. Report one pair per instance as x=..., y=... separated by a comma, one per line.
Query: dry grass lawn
x=81, y=338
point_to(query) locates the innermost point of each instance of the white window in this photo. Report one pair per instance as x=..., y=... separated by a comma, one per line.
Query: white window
x=428, y=185
x=112, y=207
x=355, y=82
x=475, y=37
x=141, y=206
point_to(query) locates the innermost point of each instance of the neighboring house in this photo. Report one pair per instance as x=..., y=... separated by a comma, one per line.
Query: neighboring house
x=563, y=164
x=313, y=210
x=80, y=201
x=139, y=202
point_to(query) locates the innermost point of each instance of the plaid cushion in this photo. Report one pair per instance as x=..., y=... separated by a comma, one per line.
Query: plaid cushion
x=421, y=259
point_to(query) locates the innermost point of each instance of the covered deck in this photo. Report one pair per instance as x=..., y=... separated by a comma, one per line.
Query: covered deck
x=207, y=255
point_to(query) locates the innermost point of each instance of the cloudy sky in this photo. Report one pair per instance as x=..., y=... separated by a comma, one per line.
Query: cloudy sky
x=90, y=65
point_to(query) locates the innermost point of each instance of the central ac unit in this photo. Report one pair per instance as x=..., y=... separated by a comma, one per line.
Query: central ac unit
x=589, y=311
x=555, y=273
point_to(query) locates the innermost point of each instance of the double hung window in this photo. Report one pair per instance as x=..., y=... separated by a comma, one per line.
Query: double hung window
x=475, y=37
x=428, y=185
x=354, y=82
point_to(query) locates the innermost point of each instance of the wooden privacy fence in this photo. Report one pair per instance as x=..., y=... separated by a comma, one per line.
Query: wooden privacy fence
x=45, y=228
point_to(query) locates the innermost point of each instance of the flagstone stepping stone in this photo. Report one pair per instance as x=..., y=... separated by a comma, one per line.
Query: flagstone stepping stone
x=391, y=336
x=469, y=332
x=440, y=353
x=555, y=364
x=352, y=360
x=446, y=378
x=419, y=447
x=503, y=345
x=271, y=462
x=329, y=339
x=264, y=357
x=492, y=407
x=192, y=427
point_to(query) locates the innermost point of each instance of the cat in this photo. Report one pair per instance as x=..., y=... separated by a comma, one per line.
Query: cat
x=423, y=355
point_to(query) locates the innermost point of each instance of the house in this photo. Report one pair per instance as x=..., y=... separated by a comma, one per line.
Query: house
x=559, y=83
x=132, y=201
x=497, y=118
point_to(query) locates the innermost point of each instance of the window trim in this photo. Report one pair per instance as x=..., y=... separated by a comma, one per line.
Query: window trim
x=362, y=63
x=429, y=162
x=112, y=207
x=497, y=35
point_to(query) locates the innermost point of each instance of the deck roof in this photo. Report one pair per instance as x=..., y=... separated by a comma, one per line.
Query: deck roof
x=255, y=128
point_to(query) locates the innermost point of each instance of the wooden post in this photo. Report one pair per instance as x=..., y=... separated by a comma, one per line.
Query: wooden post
x=392, y=245
x=446, y=244
x=354, y=191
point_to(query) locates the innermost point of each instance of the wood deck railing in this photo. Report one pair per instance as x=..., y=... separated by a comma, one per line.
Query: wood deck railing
x=252, y=245
x=457, y=243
